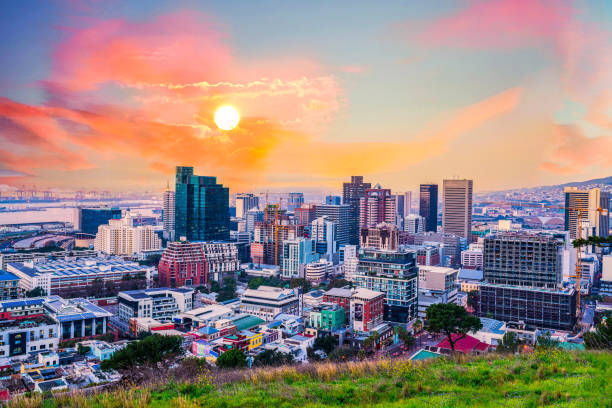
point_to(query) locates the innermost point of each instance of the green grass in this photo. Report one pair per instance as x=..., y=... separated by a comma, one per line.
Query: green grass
x=554, y=378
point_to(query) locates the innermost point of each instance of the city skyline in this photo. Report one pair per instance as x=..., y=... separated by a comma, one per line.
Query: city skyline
x=114, y=95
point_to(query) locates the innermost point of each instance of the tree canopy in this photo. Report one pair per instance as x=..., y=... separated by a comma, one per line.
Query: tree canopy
x=234, y=358
x=152, y=349
x=449, y=319
x=601, y=338
x=592, y=241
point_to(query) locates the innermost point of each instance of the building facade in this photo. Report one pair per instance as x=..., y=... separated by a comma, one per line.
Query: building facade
x=377, y=206
x=296, y=254
x=161, y=304
x=266, y=302
x=428, y=205
x=382, y=236
x=87, y=220
x=9, y=286
x=395, y=273
x=182, y=263
x=589, y=202
x=121, y=237
x=352, y=193
x=457, y=207
x=201, y=207
x=367, y=309
x=340, y=214
x=168, y=205
x=245, y=203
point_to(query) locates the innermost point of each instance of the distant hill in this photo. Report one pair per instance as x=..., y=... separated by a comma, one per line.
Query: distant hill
x=606, y=180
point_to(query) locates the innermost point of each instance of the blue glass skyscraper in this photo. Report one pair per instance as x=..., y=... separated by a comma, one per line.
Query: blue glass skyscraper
x=201, y=207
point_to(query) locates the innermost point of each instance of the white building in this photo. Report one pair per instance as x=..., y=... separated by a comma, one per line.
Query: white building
x=120, y=237
x=20, y=337
x=317, y=272
x=437, y=284
x=244, y=203
x=161, y=304
x=473, y=258
x=168, y=206
x=325, y=232
x=350, y=268
x=261, y=270
x=414, y=223
x=266, y=302
x=606, y=277
x=221, y=259
x=207, y=315
x=296, y=254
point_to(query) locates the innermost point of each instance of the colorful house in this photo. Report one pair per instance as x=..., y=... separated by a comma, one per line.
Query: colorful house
x=254, y=339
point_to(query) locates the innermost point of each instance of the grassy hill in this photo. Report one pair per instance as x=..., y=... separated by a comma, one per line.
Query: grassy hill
x=552, y=378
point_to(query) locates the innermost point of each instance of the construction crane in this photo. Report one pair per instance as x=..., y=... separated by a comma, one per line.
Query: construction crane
x=580, y=212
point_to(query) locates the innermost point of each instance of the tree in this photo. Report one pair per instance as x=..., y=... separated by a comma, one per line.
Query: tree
x=404, y=335
x=272, y=358
x=150, y=350
x=449, y=319
x=228, y=291
x=338, y=283
x=601, y=338
x=326, y=343
x=371, y=341
x=297, y=282
x=36, y=292
x=545, y=341
x=202, y=289
x=418, y=325
x=510, y=343
x=82, y=350
x=472, y=299
x=342, y=353
x=233, y=358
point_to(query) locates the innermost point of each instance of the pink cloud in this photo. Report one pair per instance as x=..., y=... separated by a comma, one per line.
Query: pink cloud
x=499, y=24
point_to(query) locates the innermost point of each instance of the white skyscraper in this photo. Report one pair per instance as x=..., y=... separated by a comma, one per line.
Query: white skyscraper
x=414, y=223
x=120, y=237
x=244, y=203
x=457, y=207
x=168, y=214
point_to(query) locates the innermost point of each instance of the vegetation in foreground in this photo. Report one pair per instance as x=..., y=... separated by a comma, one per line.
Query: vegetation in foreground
x=548, y=377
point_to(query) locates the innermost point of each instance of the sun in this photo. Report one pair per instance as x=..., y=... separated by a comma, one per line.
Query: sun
x=227, y=117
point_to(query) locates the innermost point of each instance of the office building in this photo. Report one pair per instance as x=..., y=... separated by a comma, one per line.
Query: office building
x=87, y=220
x=305, y=214
x=333, y=200
x=296, y=254
x=340, y=214
x=222, y=260
x=9, y=286
x=457, y=207
x=267, y=302
x=269, y=235
x=77, y=317
x=451, y=246
x=20, y=337
x=351, y=195
x=182, y=263
x=414, y=224
x=427, y=255
x=522, y=259
x=473, y=258
x=121, y=237
x=382, y=236
x=252, y=217
x=325, y=233
x=245, y=203
x=367, y=309
x=202, y=207
x=294, y=200
x=537, y=308
x=80, y=277
x=168, y=205
x=395, y=273
x=589, y=202
x=160, y=304
x=436, y=285
x=403, y=204
x=428, y=205
x=318, y=271
x=347, y=251
x=376, y=206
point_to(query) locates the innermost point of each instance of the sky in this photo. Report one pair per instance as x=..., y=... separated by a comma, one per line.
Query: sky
x=112, y=95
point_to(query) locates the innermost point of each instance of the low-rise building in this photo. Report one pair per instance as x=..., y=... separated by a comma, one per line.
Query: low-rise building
x=206, y=315
x=327, y=316
x=261, y=270
x=367, y=309
x=77, y=317
x=9, y=286
x=342, y=297
x=317, y=272
x=469, y=279
x=437, y=284
x=266, y=302
x=20, y=337
x=161, y=304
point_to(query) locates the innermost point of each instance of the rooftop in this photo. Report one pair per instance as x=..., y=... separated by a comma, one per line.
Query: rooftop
x=367, y=294
x=492, y=325
x=7, y=276
x=339, y=292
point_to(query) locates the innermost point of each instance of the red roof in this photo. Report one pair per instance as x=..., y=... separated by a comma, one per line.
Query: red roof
x=465, y=345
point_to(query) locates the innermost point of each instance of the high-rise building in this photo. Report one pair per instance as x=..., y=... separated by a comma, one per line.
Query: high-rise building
x=414, y=223
x=351, y=195
x=182, y=263
x=121, y=237
x=305, y=214
x=428, y=206
x=325, y=233
x=395, y=273
x=269, y=235
x=201, y=207
x=589, y=201
x=87, y=220
x=244, y=203
x=376, y=206
x=457, y=207
x=168, y=205
x=252, y=217
x=382, y=236
x=294, y=201
x=296, y=254
x=340, y=214
x=333, y=200
x=521, y=259
x=452, y=245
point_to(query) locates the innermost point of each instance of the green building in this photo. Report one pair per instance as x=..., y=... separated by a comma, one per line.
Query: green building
x=327, y=316
x=201, y=207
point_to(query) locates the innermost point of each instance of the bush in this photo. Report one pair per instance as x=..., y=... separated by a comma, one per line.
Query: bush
x=233, y=358
x=152, y=349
